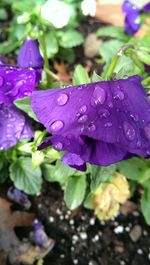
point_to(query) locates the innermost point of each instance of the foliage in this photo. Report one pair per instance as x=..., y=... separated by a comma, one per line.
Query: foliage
x=24, y=164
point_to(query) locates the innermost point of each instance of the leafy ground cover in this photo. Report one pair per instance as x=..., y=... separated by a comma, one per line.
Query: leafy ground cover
x=56, y=224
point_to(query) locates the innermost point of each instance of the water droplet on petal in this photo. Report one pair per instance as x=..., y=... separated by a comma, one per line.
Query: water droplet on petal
x=80, y=87
x=108, y=124
x=147, y=131
x=83, y=118
x=103, y=113
x=1, y=80
x=57, y=126
x=129, y=131
x=58, y=146
x=134, y=117
x=91, y=127
x=138, y=144
x=99, y=96
x=148, y=152
x=83, y=109
x=119, y=95
x=62, y=99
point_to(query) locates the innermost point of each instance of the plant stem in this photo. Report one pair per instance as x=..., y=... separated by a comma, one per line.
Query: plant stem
x=115, y=60
x=46, y=62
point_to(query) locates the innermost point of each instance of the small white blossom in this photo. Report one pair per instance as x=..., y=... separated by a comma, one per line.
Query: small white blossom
x=88, y=7
x=56, y=12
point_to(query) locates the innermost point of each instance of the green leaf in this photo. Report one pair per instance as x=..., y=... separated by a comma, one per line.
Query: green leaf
x=100, y=174
x=3, y=14
x=71, y=38
x=37, y=159
x=24, y=104
x=80, y=76
x=96, y=77
x=25, y=177
x=88, y=203
x=114, y=32
x=145, y=204
x=51, y=44
x=60, y=172
x=133, y=168
x=75, y=191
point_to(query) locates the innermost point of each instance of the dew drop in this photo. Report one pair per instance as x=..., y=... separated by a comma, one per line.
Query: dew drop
x=103, y=113
x=1, y=80
x=129, y=131
x=57, y=125
x=82, y=118
x=83, y=109
x=62, y=99
x=91, y=127
x=134, y=117
x=58, y=146
x=99, y=96
x=138, y=144
x=108, y=124
x=148, y=152
x=119, y=95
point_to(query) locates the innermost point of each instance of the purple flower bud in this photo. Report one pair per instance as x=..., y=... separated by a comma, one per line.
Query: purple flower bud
x=14, y=126
x=102, y=123
x=40, y=237
x=29, y=55
x=19, y=197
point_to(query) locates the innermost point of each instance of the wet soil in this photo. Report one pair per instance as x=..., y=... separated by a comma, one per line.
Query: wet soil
x=83, y=239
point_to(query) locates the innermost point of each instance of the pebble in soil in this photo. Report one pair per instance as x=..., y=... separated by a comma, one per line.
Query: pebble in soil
x=82, y=239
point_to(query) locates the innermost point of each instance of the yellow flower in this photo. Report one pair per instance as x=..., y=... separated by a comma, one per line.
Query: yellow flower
x=108, y=197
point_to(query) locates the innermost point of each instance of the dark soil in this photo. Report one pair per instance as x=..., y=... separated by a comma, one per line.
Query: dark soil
x=82, y=239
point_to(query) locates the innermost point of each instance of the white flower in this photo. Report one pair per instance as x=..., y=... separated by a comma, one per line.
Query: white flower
x=88, y=7
x=56, y=12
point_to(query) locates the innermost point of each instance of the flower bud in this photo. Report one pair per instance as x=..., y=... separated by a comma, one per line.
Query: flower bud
x=29, y=55
x=19, y=197
x=109, y=196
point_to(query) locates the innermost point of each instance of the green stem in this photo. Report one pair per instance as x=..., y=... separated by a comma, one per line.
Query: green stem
x=115, y=60
x=46, y=62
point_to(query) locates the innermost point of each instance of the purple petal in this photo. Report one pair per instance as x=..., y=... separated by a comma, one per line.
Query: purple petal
x=101, y=122
x=14, y=126
x=19, y=197
x=16, y=83
x=146, y=7
x=75, y=161
x=132, y=13
x=29, y=55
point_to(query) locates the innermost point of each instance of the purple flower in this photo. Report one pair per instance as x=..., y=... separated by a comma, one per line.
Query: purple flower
x=132, y=13
x=16, y=83
x=19, y=197
x=40, y=237
x=101, y=123
x=14, y=126
x=29, y=55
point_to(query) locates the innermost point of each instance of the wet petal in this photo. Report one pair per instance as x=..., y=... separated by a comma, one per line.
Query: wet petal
x=29, y=55
x=107, y=113
x=16, y=83
x=14, y=126
x=75, y=161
